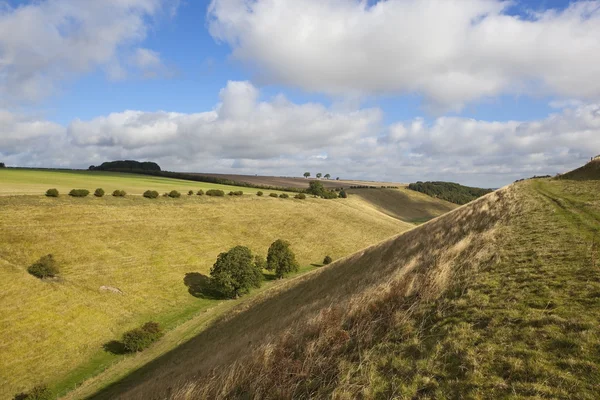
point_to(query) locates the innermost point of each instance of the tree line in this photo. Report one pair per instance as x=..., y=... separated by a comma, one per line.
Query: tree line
x=449, y=191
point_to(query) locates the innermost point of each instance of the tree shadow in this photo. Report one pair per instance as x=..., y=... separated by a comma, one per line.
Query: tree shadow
x=269, y=276
x=114, y=347
x=317, y=265
x=201, y=286
x=21, y=396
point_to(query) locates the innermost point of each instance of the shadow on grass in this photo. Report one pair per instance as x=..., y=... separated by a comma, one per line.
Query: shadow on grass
x=317, y=265
x=201, y=286
x=114, y=347
x=269, y=276
x=21, y=396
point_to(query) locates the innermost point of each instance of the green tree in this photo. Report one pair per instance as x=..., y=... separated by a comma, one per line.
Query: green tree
x=307, y=174
x=319, y=175
x=281, y=259
x=2, y=165
x=327, y=176
x=235, y=272
x=316, y=188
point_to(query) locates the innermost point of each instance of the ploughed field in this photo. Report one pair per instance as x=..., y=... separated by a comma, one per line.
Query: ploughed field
x=125, y=261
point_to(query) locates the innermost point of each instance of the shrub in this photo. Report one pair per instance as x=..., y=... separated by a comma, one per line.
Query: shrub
x=151, y=194
x=343, y=194
x=235, y=272
x=327, y=260
x=329, y=194
x=119, y=193
x=281, y=259
x=284, y=196
x=45, y=267
x=99, y=192
x=215, y=192
x=259, y=193
x=79, y=193
x=51, y=193
x=174, y=194
x=40, y=392
x=273, y=195
x=200, y=192
x=238, y=193
x=141, y=338
x=190, y=193
x=300, y=196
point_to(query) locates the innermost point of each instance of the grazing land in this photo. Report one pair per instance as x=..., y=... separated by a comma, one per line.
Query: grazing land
x=127, y=260
x=497, y=299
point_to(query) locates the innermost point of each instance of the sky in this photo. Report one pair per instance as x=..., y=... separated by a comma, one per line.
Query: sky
x=480, y=92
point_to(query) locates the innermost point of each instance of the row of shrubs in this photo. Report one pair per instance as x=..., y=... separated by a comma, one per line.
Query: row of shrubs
x=84, y=193
x=153, y=194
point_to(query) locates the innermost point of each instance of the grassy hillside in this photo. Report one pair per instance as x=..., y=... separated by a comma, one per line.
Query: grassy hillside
x=36, y=182
x=452, y=192
x=156, y=252
x=497, y=299
x=590, y=171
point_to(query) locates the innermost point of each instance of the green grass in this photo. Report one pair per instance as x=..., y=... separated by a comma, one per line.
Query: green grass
x=54, y=330
x=36, y=182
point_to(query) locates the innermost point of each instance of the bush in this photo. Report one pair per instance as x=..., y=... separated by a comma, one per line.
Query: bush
x=259, y=193
x=200, y=192
x=343, y=194
x=119, y=193
x=284, y=196
x=40, y=392
x=235, y=272
x=51, y=193
x=151, y=194
x=174, y=194
x=215, y=192
x=99, y=192
x=273, y=195
x=281, y=259
x=45, y=267
x=329, y=194
x=79, y=193
x=327, y=260
x=141, y=338
x=300, y=196
x=190, y=193
x=236, y=193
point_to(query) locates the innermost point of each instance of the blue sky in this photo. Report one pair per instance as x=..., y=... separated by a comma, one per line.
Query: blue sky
x=484, y=72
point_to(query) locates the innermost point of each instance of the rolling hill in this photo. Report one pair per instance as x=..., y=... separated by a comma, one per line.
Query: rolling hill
x=497, y=299
x=155, y=252
x=590, y=171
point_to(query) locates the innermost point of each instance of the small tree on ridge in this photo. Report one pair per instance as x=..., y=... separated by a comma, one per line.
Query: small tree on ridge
x=281, y=259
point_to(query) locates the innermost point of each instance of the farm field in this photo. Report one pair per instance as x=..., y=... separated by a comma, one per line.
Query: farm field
x=156, y=252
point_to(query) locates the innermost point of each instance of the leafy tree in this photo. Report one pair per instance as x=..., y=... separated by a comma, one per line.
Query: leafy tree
x=281, y=259
x=174, y=194
x=45, y=267
x=337, y=179
x=307, y=174
x=99, y=192
x=327, y=176
x=319, y=175
x=327, y=260
x=2, y=165
x=316, y=188
x=343, y=194
x=52, y=193
x=259, y=193
x=235, y=272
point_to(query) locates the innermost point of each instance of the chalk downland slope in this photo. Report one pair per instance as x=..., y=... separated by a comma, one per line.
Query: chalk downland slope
x=499, y=298
x=590, y=171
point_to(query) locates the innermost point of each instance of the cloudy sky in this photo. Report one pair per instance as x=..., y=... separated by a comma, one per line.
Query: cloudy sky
x=480, y=92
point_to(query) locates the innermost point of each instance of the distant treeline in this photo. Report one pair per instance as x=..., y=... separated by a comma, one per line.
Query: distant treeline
x=126, y=165
x=372, y=187
x=534, y=177
x=449, y=191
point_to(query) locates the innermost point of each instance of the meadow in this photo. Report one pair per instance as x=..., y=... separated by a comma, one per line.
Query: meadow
x=157, y=253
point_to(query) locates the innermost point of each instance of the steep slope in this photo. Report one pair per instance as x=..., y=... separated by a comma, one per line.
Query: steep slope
x=590, y=171
x=497, y=299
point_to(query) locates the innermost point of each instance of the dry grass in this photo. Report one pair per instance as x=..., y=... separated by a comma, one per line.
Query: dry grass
x=53, y=331
x=289, y=343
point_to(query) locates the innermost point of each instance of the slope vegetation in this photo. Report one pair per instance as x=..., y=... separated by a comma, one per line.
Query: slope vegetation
x=449, y=191
x=497, y=299
x=590, y=171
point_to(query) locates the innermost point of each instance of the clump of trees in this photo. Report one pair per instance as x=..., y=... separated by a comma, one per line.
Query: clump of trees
x=151, y=194
x=236, y=193
x=139, y=339
x=316, y=188
x=2, y=165
x=45, y=267
x=449, y=191
x=119, y=193
x=99, y=192
x=79, y=193
x=300, y=196
x=200, y=192
x=236, y=271
x=52, y=193
x=259, y=193
x=327, y=260
x=281, y=259
x=174, y=194
x=215, y=192
x=39, y=392
x=126, y=165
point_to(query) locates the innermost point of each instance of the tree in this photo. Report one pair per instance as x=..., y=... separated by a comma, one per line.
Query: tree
x=235, y=272
x=307, y=174
x=319, y=175
x=316, y=188
x=337, y=179
x=327, y=176
x=2, y=165
x=281, y=259
x=327, y=260
x=343, y=194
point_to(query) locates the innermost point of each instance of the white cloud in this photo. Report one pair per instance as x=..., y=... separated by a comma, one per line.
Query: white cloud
x=451, y=51
x=278, y=137
x=45, y=42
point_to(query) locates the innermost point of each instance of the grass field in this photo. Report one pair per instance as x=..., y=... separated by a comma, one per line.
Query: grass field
x=36, y=182
x=155, y=251
x=497, y=299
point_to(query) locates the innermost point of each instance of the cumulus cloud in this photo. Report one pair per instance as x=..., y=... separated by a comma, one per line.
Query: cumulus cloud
x=279, y=137
x=451, y=51
x=46, y=42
